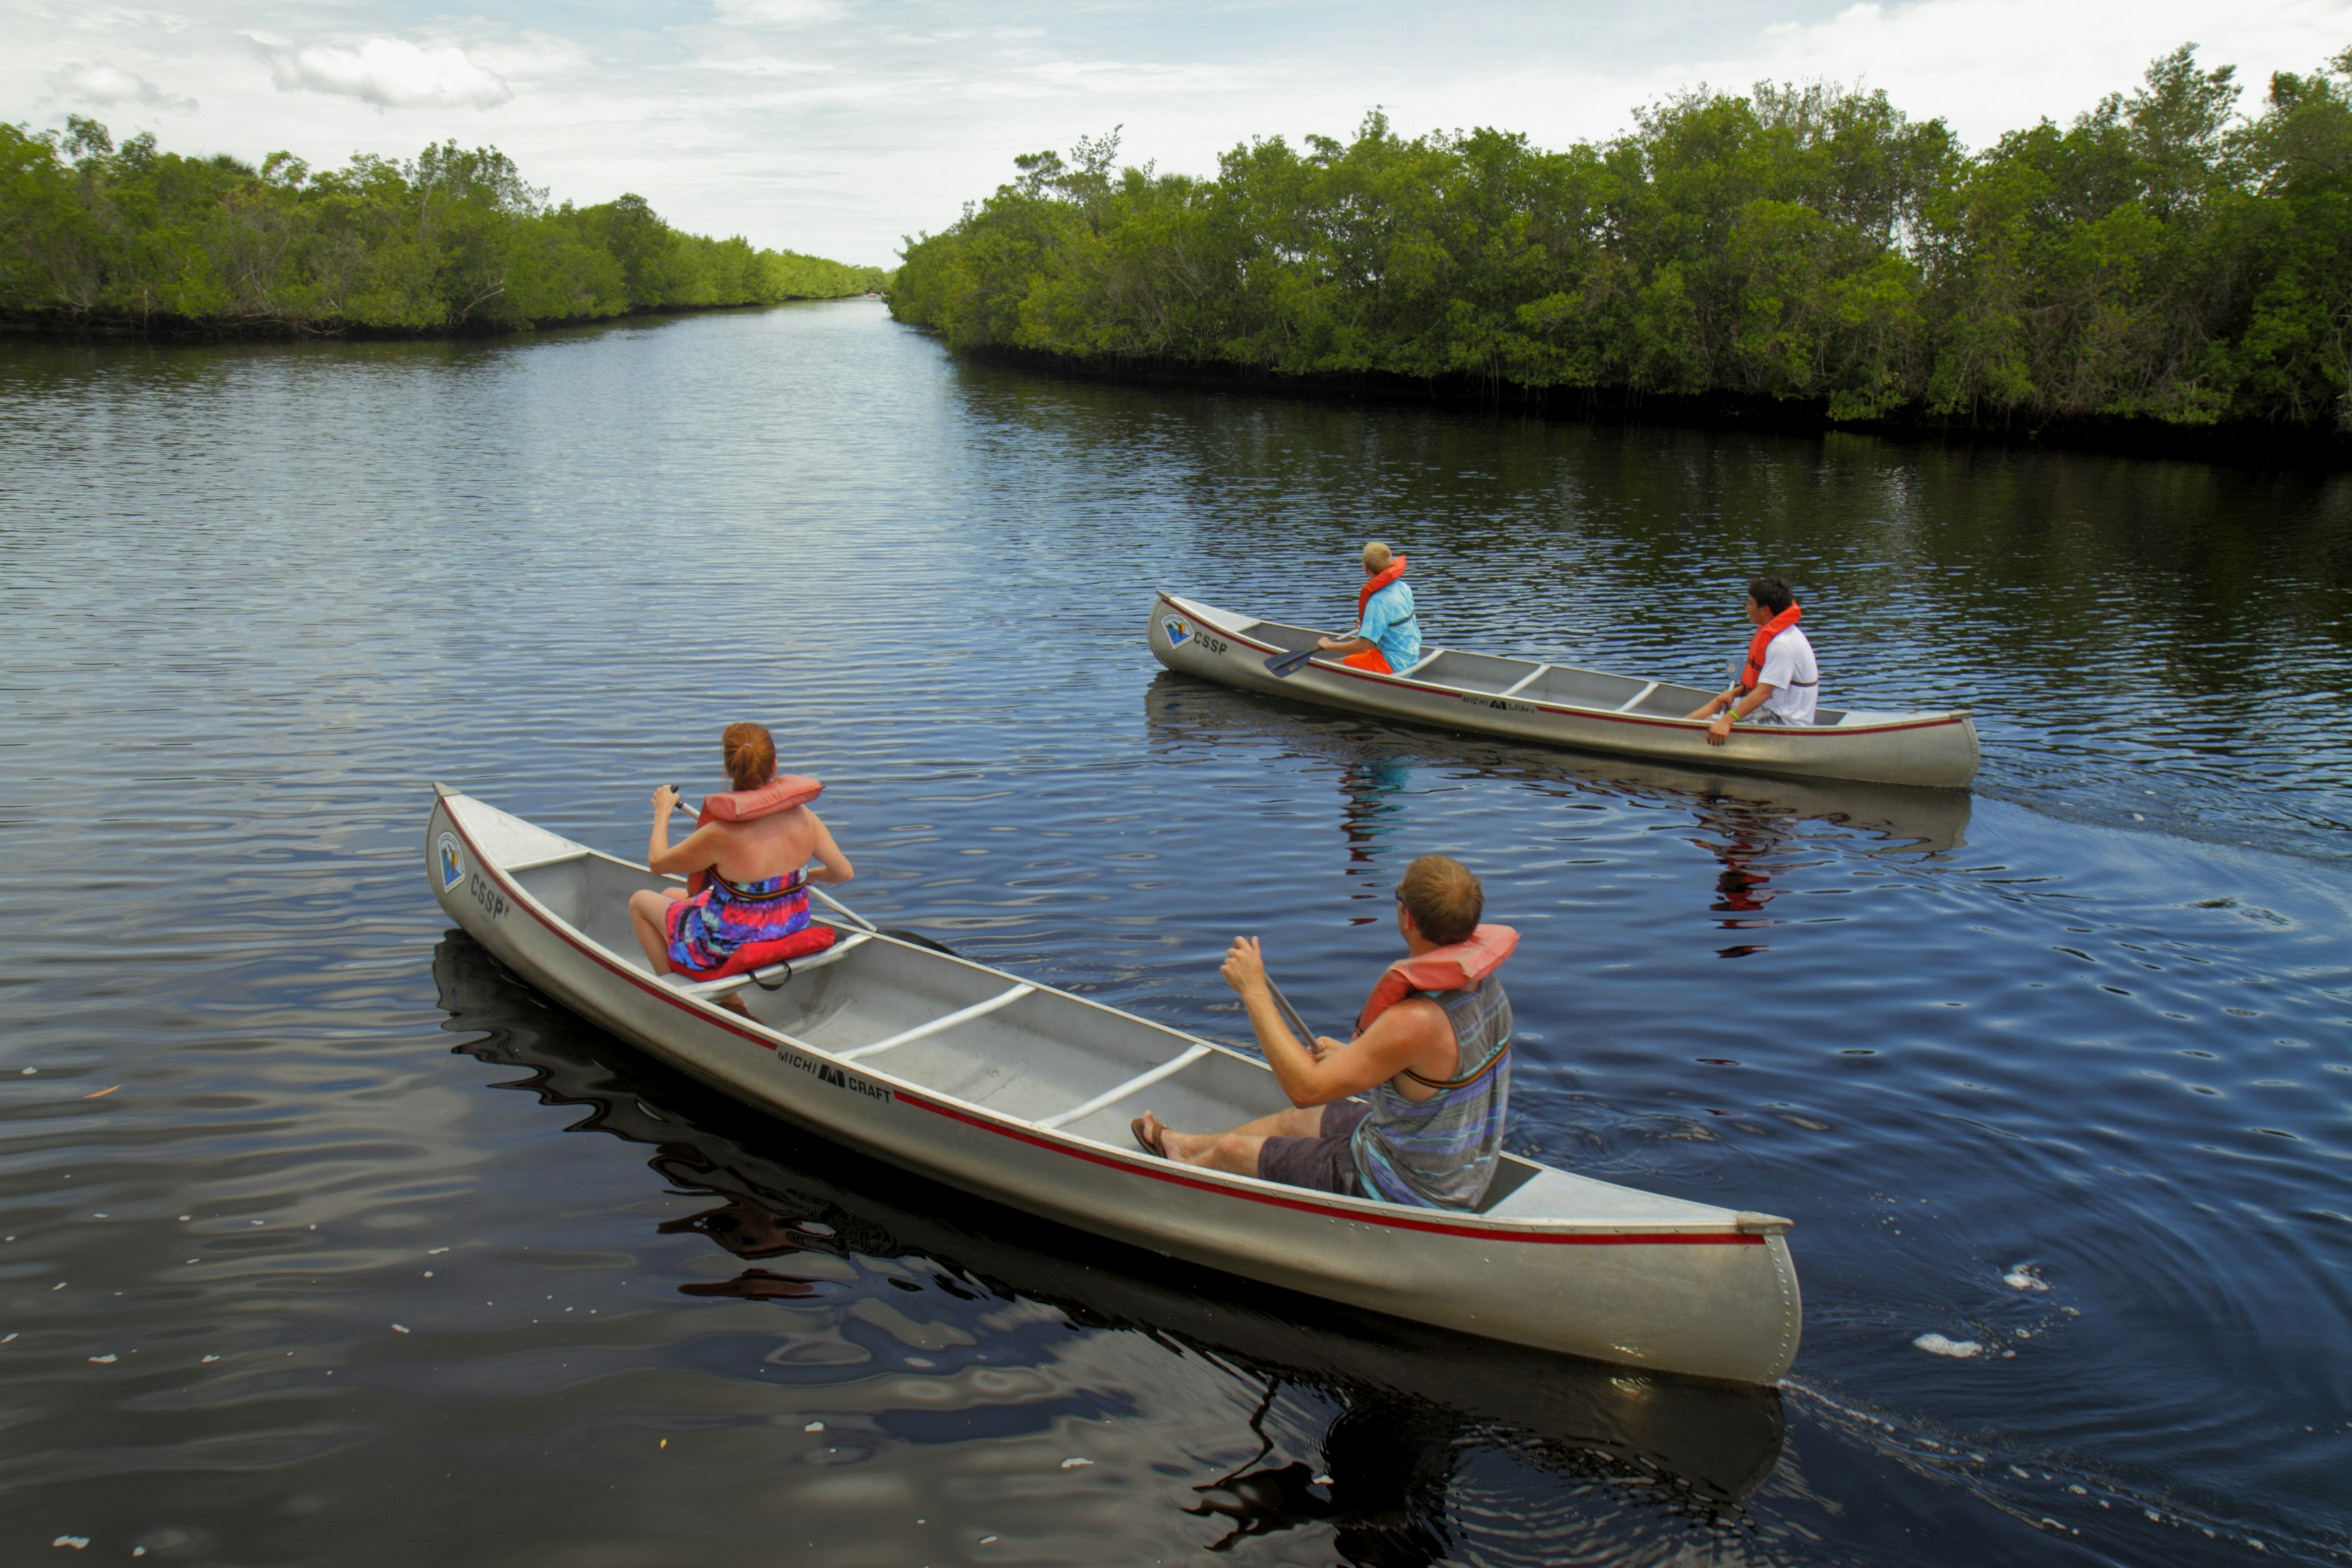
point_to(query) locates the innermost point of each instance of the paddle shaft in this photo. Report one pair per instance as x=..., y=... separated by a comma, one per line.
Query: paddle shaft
x=1306, y=1034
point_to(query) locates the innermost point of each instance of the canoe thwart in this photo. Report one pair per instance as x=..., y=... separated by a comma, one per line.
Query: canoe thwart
x=1523, y=683
x=1633, y=701
x=925, y=1031
x=1133, y=1086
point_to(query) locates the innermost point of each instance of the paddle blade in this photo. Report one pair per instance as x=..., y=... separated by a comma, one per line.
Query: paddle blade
x=1284, y=665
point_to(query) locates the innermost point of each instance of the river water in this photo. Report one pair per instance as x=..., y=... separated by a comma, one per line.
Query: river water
x=326, y=1241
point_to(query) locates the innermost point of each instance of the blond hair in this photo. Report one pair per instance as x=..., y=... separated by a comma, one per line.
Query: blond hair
x=1377, y=555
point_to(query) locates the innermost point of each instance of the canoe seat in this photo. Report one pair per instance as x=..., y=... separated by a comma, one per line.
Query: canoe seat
x=767, y=974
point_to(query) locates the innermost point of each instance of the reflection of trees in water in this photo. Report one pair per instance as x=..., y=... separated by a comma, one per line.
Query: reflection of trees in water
x=2072, y=584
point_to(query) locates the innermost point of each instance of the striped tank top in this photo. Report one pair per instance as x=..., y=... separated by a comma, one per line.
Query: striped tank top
x=1439, y=1152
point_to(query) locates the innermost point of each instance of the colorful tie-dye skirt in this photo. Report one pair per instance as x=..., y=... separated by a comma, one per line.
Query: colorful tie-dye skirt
x=705, y=930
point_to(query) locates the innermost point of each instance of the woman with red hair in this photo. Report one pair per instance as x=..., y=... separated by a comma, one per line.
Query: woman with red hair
x=745, y=858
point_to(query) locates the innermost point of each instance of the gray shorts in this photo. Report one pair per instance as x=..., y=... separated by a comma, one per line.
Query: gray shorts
x=1323, y=1162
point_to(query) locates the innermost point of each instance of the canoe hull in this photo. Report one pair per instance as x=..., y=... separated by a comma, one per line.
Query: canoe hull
x=1722, y=1302
x=1935, y=749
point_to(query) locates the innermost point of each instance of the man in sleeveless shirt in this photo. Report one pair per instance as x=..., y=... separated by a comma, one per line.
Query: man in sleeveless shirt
x=1783, y=686
x=1434, y=1067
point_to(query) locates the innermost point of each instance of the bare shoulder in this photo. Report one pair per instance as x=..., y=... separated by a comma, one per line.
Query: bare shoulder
x=1422, y=1023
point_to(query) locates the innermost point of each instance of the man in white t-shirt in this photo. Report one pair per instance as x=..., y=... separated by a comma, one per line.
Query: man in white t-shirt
x=1778, y=682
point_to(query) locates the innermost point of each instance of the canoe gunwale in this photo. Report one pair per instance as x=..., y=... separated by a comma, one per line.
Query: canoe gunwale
x=1923, y=720
x=1739, y=1229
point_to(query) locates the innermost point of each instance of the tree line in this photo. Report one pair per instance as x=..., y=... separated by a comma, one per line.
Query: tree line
x=452, y=241
x=2165, y=257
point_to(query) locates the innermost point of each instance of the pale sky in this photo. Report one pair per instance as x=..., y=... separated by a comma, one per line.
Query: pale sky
x=838, y=126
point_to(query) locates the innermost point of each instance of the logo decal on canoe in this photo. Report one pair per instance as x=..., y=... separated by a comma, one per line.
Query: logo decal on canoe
x=1179, y=630
x=453, y=863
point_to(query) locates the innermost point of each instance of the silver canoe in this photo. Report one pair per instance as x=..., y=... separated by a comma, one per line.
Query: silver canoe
x=1023, y=1093
x=1562, y=705
x=1411, y=1393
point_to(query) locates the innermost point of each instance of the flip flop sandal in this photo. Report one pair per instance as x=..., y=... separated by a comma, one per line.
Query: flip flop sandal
x=1150, y=1145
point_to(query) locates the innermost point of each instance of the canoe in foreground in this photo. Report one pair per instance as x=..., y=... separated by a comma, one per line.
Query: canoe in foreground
x=1022, y=1093
x=1562, y=705
x=1411, y=1399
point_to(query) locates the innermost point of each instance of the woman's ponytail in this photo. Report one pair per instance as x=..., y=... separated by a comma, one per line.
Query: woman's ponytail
x=749, y=755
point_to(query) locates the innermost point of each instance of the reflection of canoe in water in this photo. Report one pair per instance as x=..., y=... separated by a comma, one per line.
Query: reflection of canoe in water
x=1561, y=705
x=1179, y=710
x=1023, y=1093
x=1413, y=1394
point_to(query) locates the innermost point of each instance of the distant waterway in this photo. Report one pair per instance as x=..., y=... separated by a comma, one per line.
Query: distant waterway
x=328, y=1241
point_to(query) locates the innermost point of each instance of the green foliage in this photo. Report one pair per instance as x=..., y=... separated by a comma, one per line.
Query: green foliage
x=2163, y=258
x=451, y=240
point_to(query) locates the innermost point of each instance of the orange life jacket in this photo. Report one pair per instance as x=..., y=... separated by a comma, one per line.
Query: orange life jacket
x=1454, y=967
x=1753, y=671
x=1387, y=575
x=783, y=793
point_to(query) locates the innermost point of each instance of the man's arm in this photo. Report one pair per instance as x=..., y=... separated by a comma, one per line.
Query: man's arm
x=1401, y=1037
x=1720, y=730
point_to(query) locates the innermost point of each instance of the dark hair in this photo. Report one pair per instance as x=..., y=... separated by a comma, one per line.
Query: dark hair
x=1772, y=592
x=749, y=754
x=1443, y=898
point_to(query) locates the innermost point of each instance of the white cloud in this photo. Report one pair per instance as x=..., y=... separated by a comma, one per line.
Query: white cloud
x=391, y=73
x=1960, y=58
x=105, y=84
x=778, y=12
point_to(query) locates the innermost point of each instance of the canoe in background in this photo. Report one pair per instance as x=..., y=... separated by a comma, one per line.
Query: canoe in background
x=1023, y=1093
x=1562, y=705
x=1180, y=710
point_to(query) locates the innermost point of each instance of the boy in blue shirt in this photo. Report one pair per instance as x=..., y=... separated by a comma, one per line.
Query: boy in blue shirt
x=1387, y=636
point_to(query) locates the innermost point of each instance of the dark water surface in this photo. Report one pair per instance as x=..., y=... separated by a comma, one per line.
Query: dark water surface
x=2057, y=1072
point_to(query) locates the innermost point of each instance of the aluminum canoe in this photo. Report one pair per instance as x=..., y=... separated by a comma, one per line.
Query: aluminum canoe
x=1022, y=1093
x=1563, y=705
x=1411, y=1395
